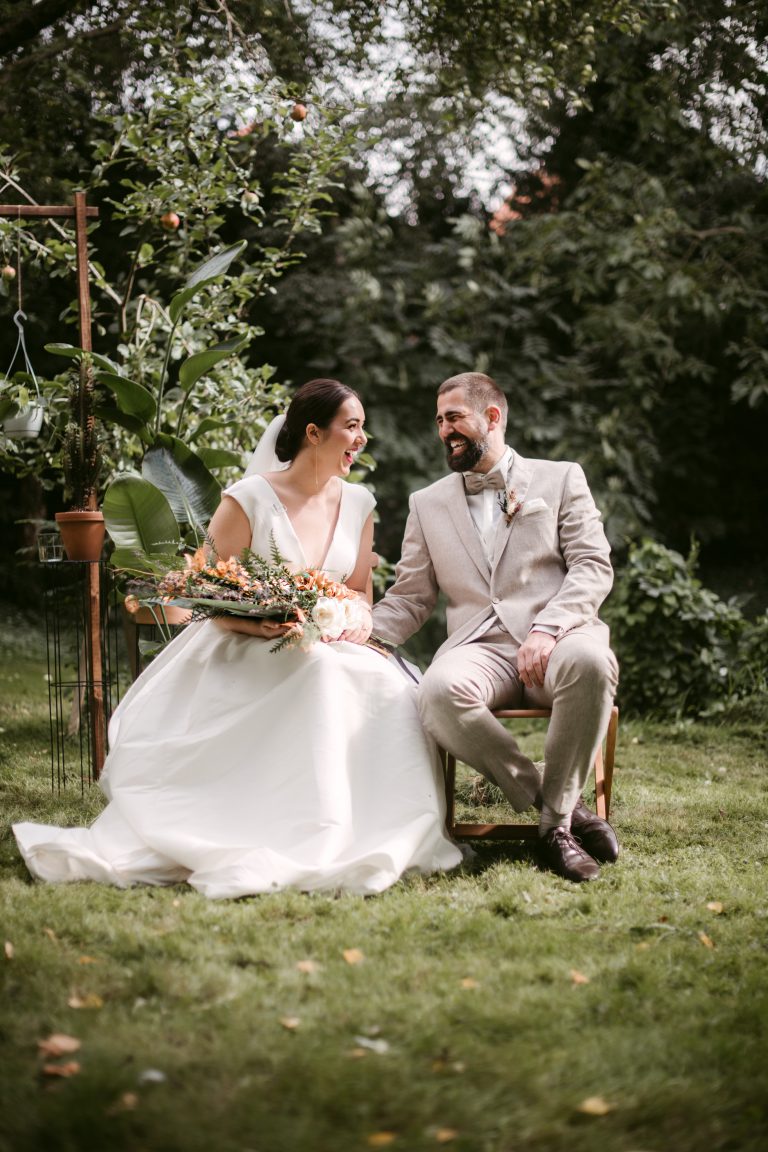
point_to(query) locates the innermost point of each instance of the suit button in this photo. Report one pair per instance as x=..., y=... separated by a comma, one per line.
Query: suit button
x=496, y=600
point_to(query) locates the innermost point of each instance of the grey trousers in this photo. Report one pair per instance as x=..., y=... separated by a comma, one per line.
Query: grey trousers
x=463, y=685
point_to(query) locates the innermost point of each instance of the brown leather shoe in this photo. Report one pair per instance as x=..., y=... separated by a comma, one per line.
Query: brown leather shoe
x=595, y=835
x=560, y=853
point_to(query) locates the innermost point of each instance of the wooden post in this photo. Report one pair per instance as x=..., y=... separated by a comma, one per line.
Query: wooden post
x=93, y=614
x=93, y=631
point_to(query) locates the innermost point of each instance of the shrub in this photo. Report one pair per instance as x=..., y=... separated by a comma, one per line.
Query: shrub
x=677, y=642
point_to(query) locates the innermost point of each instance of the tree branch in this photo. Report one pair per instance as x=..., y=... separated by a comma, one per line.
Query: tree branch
x=59, y=45
x=31, y=22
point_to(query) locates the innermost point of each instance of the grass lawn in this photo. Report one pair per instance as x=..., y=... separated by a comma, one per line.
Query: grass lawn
x=477, y=1011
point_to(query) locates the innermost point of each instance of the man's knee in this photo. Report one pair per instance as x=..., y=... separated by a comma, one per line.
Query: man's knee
x=435, y=690
x=582, y=659
x=444, y=689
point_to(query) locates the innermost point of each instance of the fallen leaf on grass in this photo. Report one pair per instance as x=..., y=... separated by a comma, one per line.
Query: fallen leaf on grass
x=128, y=1102
x=381, y=1139
x=578, y=977
x=49, y=932
x=9, y=953
x=307, y=966
x=715, y=906
x=595, y=1106
x=353, y=955
x=87, y=960
x=441, y=1064
x=468, y=982
x=64, y=1071
x=291, y=1023
x=89, y=1000
x=445, y=1135
x=58, y=1044
x=357, y=1053
x=707, y=941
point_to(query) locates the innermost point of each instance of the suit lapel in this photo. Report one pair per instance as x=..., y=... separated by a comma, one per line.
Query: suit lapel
x=518, y=480
x=456, y=503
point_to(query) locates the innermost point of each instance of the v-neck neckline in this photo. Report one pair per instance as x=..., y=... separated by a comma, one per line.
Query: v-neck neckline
x=294, y=533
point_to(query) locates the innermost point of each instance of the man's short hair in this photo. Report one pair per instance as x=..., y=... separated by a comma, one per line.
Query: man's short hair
x=480, y=391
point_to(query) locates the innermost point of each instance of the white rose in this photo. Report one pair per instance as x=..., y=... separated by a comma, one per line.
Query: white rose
x=355, y=614
x=330, y=617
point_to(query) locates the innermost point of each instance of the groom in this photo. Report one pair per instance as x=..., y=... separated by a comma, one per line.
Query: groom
x=517, y=548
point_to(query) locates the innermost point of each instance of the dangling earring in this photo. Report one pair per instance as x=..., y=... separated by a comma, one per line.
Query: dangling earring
x=317, y=482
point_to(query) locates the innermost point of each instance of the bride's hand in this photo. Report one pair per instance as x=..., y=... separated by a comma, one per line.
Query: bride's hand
x=264, y=629
x=360, y=634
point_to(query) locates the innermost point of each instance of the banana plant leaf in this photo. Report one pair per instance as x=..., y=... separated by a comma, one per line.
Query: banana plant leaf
x=272, y=611
x=207, y=272
x=74, y=353
x=140, y=521
x=201, y=362
x=132, y=397
x=191, y=490
x=208, y=424
x=220, y=458
x=110, y=414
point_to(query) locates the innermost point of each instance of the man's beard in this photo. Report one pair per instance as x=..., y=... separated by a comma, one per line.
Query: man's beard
x=470, y=456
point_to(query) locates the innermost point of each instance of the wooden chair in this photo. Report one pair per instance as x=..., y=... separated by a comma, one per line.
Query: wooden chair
x=603, y=782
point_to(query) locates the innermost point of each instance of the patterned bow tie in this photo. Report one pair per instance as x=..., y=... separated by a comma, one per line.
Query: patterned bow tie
x=477, y=481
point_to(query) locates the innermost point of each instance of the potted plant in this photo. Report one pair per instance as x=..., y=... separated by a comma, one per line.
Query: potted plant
x=152, y=514
x=82, y=527
x=171, y=472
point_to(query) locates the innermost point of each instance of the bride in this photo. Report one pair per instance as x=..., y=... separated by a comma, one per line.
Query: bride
x=241, y=770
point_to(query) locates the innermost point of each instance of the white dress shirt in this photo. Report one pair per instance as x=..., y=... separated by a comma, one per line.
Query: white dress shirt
x=485, y=508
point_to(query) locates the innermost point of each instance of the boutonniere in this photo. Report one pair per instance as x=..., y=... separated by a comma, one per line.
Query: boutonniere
x=509, y=504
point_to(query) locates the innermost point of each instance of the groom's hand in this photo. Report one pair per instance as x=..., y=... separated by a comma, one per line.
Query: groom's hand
x=533, y=657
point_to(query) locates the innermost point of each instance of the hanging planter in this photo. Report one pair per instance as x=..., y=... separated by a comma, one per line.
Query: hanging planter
x=26, y=424
x=26, y=418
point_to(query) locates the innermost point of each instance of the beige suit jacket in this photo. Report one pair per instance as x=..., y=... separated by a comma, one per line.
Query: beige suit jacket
x=550, y=562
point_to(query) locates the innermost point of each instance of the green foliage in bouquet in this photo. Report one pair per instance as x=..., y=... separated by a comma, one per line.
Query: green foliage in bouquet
x=253, y=587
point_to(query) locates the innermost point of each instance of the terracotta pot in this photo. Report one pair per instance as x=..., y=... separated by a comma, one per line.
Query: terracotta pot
x=173, y=614
x=82, y=534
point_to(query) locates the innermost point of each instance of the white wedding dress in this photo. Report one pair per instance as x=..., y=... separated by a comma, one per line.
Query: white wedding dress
x=241, y=770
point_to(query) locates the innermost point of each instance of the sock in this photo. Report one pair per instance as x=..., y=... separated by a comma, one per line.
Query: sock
x=551, y=819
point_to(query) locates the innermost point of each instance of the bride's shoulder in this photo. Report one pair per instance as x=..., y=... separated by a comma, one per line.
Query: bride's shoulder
x=358, y=496
x=253, y=493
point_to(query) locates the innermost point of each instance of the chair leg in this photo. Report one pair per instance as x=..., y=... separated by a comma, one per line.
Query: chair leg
x=604, y=767
x=449, y=769
x=610, y=755
x=601, y=807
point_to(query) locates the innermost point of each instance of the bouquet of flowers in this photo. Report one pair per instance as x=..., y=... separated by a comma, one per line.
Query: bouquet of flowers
x=251, y=586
